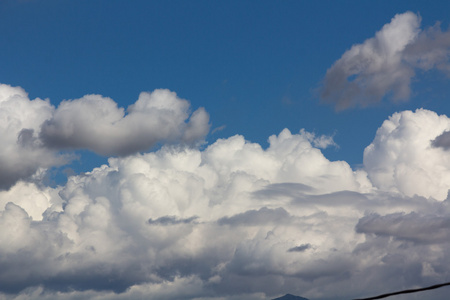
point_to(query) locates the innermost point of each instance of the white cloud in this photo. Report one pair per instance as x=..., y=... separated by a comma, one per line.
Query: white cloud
x=176, y=213
x=402, y=159
x=234, y=221
x=385, y=64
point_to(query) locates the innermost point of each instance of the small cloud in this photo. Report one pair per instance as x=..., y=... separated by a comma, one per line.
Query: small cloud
x=322, y=142
x=217, y=129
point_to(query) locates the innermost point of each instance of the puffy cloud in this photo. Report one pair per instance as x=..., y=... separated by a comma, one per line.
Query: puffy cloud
x=402, y=159
x=96, y=123
x=33, y=132
x=232, y=221
x=33, y=199
x=385, y=64
x=175, y=215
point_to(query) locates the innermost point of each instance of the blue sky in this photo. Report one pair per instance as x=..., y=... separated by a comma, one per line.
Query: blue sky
x=223, y=149
x=255, y=67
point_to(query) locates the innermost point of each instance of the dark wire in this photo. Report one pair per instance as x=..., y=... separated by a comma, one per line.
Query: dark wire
x=406, y=291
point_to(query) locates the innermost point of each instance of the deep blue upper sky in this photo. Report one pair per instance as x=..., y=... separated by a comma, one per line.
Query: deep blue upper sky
x=254, y=65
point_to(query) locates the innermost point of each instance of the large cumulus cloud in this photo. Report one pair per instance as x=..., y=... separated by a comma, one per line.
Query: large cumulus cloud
x=385, y=64
x=167, y=216
x=236, y=221
x=34, y=132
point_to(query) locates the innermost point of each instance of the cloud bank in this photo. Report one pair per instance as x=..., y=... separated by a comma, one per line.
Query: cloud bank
x=385, y=64
x=231, y=221
x=33, y=132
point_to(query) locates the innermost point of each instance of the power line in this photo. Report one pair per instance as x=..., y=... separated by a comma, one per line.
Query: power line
x=406, y=291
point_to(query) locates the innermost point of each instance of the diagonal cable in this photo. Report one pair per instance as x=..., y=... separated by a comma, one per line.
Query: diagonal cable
x=406, y=291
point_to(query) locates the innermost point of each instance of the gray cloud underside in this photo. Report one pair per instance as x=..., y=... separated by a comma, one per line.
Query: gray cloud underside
x=410, y=227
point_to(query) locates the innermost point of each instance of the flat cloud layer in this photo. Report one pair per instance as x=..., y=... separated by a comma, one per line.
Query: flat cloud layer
x=232, y=221
x=385, y=64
